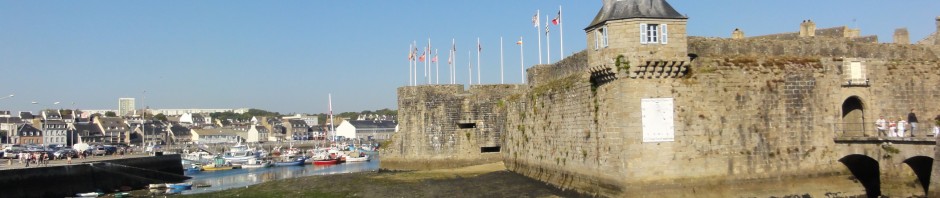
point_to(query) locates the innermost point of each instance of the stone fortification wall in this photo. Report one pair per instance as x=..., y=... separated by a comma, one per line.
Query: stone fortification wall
x=444, y=126
x=817, y=47
x=739, y=121
x=570, y=65
x=833, y=32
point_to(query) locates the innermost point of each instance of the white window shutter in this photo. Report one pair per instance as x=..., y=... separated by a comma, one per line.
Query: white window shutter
x=597, y=38
x=605, y=36
x=643, y=33
x=665, y=33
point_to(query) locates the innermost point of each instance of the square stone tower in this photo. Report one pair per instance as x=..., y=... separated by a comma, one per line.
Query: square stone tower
x=649, y=35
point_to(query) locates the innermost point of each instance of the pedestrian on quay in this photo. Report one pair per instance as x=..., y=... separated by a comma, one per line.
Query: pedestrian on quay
x=27, y=156
x=912, y=119
x=892, y=128
x=882, y=126
x=69, y=159
x=902, y=126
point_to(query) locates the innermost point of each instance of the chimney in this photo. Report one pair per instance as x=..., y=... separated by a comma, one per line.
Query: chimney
x=938, y=24
x=901, y=36
x=737, y=34
x=807, y=29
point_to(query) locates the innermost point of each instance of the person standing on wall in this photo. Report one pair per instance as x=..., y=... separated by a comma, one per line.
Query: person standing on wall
x=882, y=125
x=912, y=119
x=902, y=126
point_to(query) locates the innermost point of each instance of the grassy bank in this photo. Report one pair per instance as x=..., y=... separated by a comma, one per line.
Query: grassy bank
x=491, y=180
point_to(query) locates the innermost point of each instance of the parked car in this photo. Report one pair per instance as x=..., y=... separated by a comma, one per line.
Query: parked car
x=99, y=151
x=11, y=154
x=65, y=153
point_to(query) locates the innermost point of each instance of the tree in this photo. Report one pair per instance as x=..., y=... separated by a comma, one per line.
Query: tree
x=110, y=114
x=160, y=117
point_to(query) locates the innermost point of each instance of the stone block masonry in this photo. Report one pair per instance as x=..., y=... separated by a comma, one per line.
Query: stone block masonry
x=445, y=126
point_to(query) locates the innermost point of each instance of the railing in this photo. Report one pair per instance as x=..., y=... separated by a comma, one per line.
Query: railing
x=870, y=130
x=856, y=82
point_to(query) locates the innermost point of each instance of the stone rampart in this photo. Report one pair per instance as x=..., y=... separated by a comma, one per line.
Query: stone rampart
x=816, y=47
x=832, y=33
x=750, y=113
x=445, y=126
x=573, y=64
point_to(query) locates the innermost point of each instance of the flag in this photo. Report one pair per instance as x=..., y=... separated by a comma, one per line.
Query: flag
x=421, y=58
x=411, y=55
x=434, y=60
x=479, y=47
x=519, y=42
x=557, y=18
x=546, y=28
x=535, y=20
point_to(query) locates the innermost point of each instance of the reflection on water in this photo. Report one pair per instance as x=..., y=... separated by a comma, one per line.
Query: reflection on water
x=221, y=180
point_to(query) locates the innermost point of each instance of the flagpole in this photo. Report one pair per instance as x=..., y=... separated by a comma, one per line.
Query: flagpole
x=561, y=34
x=479, y=50
x=548, y=42
x=416, y=63
x=521, y=60
x=469, y=67
x=331, y=116
x=453, y=69
x=437, y=68
x=501, y=61
x=538, y=30
x=427, y=63
x=409, y=64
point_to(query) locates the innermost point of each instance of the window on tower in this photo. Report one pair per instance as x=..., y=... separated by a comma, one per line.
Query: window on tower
x=653, y=33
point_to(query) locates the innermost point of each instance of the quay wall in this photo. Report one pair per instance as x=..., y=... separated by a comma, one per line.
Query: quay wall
x=104, y=176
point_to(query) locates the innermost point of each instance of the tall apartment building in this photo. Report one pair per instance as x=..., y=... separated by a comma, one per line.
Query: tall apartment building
x=125, y=106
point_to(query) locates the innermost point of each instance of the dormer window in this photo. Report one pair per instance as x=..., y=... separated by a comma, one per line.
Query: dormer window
x=653, y=33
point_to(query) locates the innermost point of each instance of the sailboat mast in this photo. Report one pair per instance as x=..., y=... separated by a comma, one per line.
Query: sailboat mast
x=330, y=133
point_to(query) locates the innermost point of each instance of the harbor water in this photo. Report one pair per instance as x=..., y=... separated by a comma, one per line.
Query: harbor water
x=228, y=179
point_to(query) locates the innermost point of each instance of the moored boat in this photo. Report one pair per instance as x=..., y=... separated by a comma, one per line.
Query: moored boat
x=213, y=167
x=325, y=162
x=358, y=159
x=257, y=164
x=156, y=186
x=89, y=194
x=291, y=162
x=183, y=186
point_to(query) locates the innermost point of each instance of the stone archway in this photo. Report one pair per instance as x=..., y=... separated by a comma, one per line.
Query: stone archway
x=866, y=170
x=853, y=117
x=922, y=166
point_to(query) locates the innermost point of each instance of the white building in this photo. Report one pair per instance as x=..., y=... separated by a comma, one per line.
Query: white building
x=126, y=106
x=375, y=129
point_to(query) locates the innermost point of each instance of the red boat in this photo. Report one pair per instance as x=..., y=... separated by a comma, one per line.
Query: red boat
x=325, y=162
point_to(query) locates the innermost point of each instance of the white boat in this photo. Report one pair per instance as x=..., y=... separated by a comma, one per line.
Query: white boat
x=252, y=163
x=89, y=194
x=199, y=157
x=357, y=159
x=239, y=154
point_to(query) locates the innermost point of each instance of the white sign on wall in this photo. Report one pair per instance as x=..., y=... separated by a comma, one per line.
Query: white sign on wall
x=657, y=120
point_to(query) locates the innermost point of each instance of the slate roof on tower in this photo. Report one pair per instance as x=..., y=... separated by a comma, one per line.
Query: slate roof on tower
x=627, y=9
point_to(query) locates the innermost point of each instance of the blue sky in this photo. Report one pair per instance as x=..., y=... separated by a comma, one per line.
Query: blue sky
x=286, y=56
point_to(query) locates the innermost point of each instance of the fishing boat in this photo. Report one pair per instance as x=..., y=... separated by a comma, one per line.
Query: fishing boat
x=220, y=164
x=257, y=164
x=325, y=162
x=239, y=154
x=214, y=167
x=292, y=162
